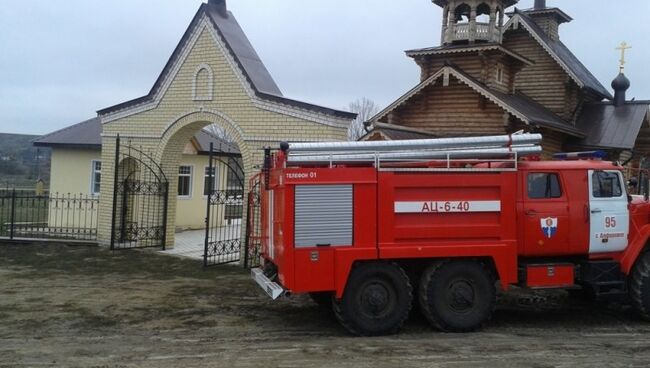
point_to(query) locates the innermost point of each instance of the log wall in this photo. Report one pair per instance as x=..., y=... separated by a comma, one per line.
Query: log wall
x=480, y=65
x=455, y=110
x=545, y=81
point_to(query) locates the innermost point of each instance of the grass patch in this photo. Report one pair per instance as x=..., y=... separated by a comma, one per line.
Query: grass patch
x=96, y=261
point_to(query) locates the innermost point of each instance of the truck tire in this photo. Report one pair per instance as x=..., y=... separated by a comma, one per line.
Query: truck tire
x=457, y=296
x=640, y=286
x=322, y=299
x=377, y=300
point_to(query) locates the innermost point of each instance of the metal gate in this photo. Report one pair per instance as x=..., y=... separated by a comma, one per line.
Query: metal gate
x=254, y=223
x=225, y=203
x=140, y=196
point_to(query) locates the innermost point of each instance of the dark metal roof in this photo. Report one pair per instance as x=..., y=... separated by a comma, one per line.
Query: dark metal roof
x=244, y=54
x=204, y=138
x=538, y=114
x=243, y=51
x=86, y=134
x=565, y=56
x=607, y=126
x=308, y=106
x=561, y=15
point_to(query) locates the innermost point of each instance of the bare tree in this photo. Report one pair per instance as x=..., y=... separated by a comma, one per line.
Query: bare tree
x=219, y=132
x=366, y=109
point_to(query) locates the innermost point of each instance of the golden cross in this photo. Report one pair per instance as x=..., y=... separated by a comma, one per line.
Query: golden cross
x=624, y=46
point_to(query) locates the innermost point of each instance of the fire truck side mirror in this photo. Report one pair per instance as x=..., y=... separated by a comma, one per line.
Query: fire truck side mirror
x=633, y=182
x=643, y=184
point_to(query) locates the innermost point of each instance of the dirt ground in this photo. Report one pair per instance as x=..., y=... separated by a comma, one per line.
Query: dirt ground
x=87, y=307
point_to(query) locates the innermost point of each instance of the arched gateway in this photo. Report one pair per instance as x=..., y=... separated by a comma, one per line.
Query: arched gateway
x=213, y=77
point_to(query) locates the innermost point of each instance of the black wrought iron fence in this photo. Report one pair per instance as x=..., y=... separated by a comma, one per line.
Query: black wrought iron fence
x=25, y=214
x=254, y=234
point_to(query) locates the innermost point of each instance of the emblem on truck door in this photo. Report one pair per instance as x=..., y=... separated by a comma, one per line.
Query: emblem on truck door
x=549, y=226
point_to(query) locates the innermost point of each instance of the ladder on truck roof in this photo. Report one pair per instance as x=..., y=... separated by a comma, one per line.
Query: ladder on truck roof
x=492, y=153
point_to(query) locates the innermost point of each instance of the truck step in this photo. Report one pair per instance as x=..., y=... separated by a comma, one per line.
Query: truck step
x=608, y=283
x=604, y=279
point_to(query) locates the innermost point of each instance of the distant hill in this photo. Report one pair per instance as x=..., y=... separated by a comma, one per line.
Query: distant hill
x=21, y=163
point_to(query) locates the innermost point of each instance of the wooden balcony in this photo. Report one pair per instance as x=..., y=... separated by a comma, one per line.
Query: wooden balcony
x=482, y=32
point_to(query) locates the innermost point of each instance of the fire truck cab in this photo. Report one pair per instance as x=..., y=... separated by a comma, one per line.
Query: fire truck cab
x=372, y=228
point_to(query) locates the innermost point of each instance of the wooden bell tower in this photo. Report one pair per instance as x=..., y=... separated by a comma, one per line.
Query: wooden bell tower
x=472, y=21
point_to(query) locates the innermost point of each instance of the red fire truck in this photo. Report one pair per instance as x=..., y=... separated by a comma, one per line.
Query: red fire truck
x=374, y=227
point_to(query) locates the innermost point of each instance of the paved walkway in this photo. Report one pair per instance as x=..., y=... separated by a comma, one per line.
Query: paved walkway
x=188, y=244
x=191, y=243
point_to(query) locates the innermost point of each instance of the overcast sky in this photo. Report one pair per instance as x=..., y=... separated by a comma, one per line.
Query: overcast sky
x=60, y=61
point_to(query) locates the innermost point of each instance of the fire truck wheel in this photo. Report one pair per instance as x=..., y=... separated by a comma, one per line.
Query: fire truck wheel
x=457, y=296
x=377, y=300
x=640, y=286
x=323, y=300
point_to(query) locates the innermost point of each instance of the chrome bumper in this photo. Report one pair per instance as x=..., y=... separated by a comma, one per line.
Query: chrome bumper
x=273, y=289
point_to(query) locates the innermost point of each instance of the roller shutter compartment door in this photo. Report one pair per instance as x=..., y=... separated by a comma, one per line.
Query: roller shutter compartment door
x=323, y=215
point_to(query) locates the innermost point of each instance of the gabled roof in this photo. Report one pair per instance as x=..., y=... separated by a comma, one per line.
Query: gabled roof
x=456, y=49
x=520, y=106
x=88, y=135
x=245, y=57
x=397, y=132
x=203, y=138
x=561, y=54
x=608, y=126
x=560, y=15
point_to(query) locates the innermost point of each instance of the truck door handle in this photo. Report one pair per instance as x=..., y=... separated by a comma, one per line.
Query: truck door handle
x=531, y=213
x=596, y=210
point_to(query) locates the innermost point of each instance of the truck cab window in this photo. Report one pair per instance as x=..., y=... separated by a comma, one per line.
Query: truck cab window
x=606, y=184
x=543, y=185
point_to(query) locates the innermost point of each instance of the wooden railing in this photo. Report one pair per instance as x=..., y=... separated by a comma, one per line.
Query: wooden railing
x=462, y=32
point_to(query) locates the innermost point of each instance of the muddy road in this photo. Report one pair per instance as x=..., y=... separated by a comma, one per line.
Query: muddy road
x=87, y=307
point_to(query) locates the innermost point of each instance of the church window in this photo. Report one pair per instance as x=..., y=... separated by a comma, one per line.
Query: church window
x=202, y=85
x=499, y=75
